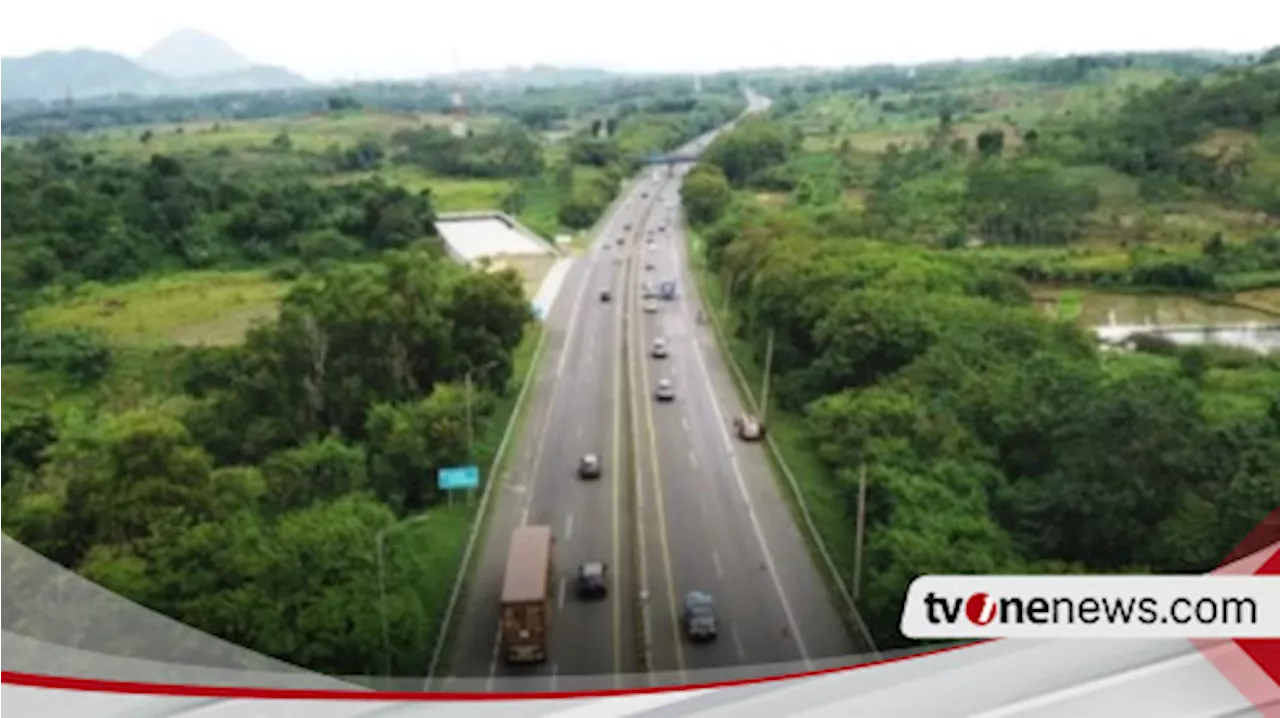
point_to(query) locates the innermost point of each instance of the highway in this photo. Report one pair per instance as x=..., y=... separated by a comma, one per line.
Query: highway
x=683, y=504
x=713, y=516
x=576, y=408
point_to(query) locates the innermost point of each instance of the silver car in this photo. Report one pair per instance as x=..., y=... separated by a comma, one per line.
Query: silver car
x=666, y=391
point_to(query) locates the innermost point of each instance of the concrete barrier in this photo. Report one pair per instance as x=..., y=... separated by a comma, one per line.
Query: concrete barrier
x=550, y=289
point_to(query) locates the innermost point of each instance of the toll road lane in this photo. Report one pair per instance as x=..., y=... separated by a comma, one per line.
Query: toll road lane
x=572, y=414
x=814, y=615
x=730, y=532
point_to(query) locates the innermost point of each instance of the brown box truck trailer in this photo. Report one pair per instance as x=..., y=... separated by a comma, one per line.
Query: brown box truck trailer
x=526, y=595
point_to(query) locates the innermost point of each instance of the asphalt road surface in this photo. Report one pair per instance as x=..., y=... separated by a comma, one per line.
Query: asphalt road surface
x=714, y=518
x=682, y=505
x=576, y=408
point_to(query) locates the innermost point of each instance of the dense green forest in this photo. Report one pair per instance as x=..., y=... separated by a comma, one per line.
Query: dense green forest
x=897, y=261
x=236, y=474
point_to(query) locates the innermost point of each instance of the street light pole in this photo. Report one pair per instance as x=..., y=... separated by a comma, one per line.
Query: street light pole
x=382, y=588
x=471, y=429
x=862, y=523
x=768, y=369
x=471, y=424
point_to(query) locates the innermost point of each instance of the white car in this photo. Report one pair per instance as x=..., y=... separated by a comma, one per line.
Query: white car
x=659, y=350
x=650, y=307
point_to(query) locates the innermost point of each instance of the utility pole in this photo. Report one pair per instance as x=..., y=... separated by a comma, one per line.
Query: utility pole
x=768, y=368
x=862, y=520
x=471, y=424
x=382, y=589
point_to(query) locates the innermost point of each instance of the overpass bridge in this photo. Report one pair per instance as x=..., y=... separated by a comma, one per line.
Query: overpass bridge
x=669, y=159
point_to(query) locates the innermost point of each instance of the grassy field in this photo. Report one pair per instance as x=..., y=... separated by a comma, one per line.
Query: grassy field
x=448, y=194
x=196, y=308
x=308, y=132
x=1123, y=219
x=188, y=308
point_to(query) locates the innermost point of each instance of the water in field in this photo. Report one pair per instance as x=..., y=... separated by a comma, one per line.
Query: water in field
x=1182, y=319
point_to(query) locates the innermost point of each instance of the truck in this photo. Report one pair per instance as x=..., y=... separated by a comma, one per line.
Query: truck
x=667, y=289
x=526, y=595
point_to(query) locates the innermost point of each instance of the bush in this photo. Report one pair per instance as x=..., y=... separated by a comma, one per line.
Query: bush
x=81, y=355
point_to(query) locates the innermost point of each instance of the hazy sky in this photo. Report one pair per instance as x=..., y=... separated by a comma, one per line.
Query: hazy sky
x=406, y=38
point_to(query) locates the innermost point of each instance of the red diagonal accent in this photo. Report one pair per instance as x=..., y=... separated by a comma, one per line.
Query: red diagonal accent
x=1252, y=665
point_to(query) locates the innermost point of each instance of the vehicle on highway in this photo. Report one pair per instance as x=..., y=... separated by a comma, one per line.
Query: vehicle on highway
x=667, y=289
x=666, y=391
x=626, y=227
x=526, y=595
x=646, y=290
x=605, y=295
x=700, y=616
x=748, y=427
x=659, y=350
x=651, y=307
x=589, y=467
x=593, y=580
x=622, y=241
x=648, y=265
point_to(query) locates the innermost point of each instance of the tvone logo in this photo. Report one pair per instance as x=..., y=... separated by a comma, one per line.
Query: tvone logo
x=980, y=608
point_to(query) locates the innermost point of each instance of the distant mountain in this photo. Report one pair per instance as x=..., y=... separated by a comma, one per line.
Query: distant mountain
x=258, y=78
x=54, y=75
x=91, y=73
x=191, y=53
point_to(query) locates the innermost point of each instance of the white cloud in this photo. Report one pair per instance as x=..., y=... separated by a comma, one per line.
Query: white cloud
x=385, y=38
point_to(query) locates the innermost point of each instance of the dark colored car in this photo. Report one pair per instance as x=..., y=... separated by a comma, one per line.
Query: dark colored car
x=593, y=580
x=700, y=616
x=589, y=467
x=605, y=295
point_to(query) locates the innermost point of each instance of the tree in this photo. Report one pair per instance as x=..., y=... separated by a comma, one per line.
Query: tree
x=314, y=472
x=755, y=145
x=132, y=481
x=302, y=588
x=411, y=442
x=1026, y=202
x=705, y=194
x=990, y=143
